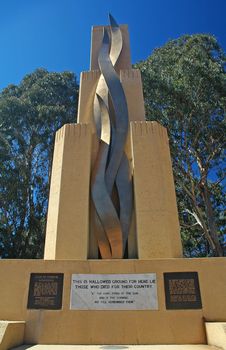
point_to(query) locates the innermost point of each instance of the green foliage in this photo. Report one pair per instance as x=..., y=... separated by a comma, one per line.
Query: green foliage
x=30, y=114
x=185, y=90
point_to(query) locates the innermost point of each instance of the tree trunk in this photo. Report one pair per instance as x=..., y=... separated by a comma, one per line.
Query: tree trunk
x=211, y=221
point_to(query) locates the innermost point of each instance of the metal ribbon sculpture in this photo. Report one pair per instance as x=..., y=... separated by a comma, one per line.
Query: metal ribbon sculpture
x=111, y=180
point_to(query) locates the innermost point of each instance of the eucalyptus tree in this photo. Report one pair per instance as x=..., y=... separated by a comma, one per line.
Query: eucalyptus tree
x=185, y=90
x=30, y=114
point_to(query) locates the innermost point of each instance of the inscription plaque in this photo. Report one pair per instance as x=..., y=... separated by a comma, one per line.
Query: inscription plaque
x=182, y=290
x=45, y=291
x=114, y=292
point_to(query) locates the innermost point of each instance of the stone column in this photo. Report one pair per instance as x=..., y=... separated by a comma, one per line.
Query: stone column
x=68, y=213
x=157, y=225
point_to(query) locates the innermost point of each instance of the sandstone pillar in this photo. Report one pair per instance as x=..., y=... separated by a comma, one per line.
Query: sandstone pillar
x=157, y=224
x=68, y=214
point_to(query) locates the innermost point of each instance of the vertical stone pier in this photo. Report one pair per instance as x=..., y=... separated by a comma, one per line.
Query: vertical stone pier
x=68, y=213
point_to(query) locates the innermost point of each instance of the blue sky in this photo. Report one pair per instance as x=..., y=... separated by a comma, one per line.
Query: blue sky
x=55, y=34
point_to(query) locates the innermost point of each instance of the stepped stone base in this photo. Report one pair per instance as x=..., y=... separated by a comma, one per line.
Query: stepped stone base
x=11, y=334
x=117, y=347
x=65, y=326
x=216, y=334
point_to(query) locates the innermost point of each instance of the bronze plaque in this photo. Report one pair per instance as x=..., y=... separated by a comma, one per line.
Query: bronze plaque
x=182, y=290
x=45, y=291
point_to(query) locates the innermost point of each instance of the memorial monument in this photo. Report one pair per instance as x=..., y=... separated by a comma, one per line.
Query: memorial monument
x=127, y=160
x=113, y=270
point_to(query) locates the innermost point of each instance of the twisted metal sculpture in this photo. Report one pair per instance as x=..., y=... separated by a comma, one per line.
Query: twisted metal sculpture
x=111, y=174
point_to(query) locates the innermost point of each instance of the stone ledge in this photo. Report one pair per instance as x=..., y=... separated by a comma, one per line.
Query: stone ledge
x=216, y=334
x=117, y=347
x=11, y=334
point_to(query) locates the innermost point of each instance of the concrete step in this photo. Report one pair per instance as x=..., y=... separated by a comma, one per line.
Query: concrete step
x=117, y=347
x=11, y=334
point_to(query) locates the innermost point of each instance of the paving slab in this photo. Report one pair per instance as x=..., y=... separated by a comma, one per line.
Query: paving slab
x=117, y=347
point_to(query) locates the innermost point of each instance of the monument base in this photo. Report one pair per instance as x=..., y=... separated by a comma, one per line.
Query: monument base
x=118, y=347
x=66, y=326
